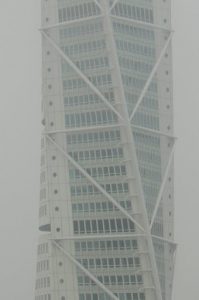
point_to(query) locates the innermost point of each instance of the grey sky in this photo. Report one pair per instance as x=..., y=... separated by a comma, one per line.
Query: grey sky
x=20, y=142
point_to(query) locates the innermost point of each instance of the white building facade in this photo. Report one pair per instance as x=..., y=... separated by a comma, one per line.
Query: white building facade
x=106, y=199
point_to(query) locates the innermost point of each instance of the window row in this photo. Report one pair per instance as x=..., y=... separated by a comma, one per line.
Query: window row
x=110, y=153
x=133, y=31
x=151, y=174
x=43, y=297
x=90, y=118
x=84, y=29
x=92, y=63
x=107, y=171
x=92, y=190
x=146, y=120
x=116, y=262
x=106, y=245
x=137, y=13
x=135, y=48
x=93, y=137
x=103, y=226
x=88, y=64
x=87, y=99
x=98, y=80
x=112, y=280
x=78, y=11
x=136, y=66
x=150, y=102
x=149, y=156
x=158, y=228
x=99, y=207
x=100, y=172
x=138, y=83
x=121, y=296
x=42, y=248
x=151, y=189
x=146, y=139
x=42, y=283
x=81, y=100
x=43, y=265
x=101, y=80
x=147, y=103
x=84, y=47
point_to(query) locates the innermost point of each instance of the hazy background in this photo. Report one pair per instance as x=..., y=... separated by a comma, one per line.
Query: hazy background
x=20, y=82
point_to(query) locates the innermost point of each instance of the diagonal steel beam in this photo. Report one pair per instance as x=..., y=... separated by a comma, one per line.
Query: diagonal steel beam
x=97, y=3
x=134, y=160
x=157, y=132
x=102, y=236
x=113, y=5
x=162, y=186
x=95, y=183
x=79, y=72
x=79, y=129
x=141, y=23
x=145, y=88
x=83, y=269
x=71, y=22
x=171, y=242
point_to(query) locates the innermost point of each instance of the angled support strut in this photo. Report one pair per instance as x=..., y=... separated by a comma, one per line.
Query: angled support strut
x=150, y=78
x=111, y=199
x=89, y=274
x=162, y=186
x=79, y=72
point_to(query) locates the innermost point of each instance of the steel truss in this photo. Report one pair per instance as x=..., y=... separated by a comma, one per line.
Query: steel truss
x=123, y=121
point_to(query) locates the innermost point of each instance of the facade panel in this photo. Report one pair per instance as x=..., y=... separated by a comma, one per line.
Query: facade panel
x=106, y=204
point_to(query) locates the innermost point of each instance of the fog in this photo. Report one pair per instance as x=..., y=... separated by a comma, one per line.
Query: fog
x=20, y=97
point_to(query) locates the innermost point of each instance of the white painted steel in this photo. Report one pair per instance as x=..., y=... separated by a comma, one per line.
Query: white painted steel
x=143, y=227
x=132, y=150
x=147, y=84
x=89, y=274
x=95, y=183
x=78, y=71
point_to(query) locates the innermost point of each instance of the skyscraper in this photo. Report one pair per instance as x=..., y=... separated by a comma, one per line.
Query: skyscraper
x=106, y=199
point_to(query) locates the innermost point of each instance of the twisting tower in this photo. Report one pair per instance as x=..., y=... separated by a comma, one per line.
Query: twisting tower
x=106, y=204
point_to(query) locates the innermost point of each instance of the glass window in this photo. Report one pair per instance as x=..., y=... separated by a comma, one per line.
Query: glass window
x=133, y=279
x=117, y=262
x=130, y=261
x=75, y=226
x=126, y=279
x=98, y=263
x=119, y=280
x=119, y=225
x=106, y=226
x=81, y=225
x=125, y=225
x=112, y=225
x=83, y=246
x=100, y=225
x=91, y=263
x=88, y=226
x=94, y=226
x=106, y=280
x=115, y=245
x=111, y=262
